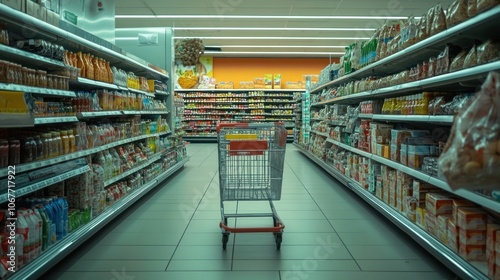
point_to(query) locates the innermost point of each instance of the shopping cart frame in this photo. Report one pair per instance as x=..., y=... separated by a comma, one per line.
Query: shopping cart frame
x=275, y=143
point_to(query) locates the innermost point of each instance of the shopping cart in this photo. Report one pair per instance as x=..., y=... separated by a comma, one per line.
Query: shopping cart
x=251, y=160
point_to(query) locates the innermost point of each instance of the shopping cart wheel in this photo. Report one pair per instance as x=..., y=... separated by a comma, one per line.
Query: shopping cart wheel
x=278, y=237
x=225, y=239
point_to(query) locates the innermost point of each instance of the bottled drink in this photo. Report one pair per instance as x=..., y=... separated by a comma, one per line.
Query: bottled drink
x=72, y=141
x=45, y=226
x=65, y=142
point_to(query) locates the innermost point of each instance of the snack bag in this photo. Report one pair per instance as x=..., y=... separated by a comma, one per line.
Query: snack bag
x=471, y=157
x=457, y=13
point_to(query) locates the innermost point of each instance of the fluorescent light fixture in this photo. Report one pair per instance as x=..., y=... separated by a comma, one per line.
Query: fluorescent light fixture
x=304, y=53
x=275, y=46
x=276, y=38
x=273, y=28
x=252, y=17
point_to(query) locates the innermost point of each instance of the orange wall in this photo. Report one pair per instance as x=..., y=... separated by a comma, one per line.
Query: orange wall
x=246, y=69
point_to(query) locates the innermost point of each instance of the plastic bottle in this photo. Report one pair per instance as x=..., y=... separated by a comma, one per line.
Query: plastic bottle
x=72, y=141
x=40, y=225
x=27, y=231
x=45, y=226
x=20, y=250
x=81, y=64
x=65, y=142
x=52, y=237
x=39, y=148
x=64, y=218
x=37, y=239
x=58, y=217
x=30, y=242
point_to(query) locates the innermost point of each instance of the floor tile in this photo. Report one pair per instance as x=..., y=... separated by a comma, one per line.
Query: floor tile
x=158, y=215
x=107, y=265
x=205, y=239
x=303, y=265
x=397, y=265
x=392, y=252
x=374, y=238
x=205, y=275
x=329, y=251
x=360, y=226
x=129, y=253
x=152, y=226
x=141, y=239
x=308, y=225
x=203, y=253
x=361, y=275
x=201, y=226
x=204, y=265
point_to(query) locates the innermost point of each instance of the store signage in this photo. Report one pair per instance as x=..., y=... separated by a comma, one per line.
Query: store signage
x=70, y=17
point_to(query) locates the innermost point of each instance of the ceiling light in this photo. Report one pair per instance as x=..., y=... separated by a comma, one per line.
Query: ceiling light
x=253, y=17
x=276, y=38
x=126, y=38
x=273, y=28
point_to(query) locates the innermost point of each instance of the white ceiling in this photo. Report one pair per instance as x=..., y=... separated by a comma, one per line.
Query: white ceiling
x=314, y=8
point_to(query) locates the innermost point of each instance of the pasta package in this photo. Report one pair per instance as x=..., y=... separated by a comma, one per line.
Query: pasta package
x=457, y=13
x=471, y=157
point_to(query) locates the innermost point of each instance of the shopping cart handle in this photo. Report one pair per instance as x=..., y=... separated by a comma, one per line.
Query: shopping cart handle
x=246, y=125
x=278, y=228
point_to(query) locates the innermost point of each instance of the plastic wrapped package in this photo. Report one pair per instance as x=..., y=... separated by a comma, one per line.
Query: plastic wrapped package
x=423, y=71
x=430, y=19
x=488, y=52
x=458, y=61
x=432, y=67
x=471, y=8
x=483, y=5
x=408, y=33
x=471, y=157
x=455, y=105
x=422, y=33
x=457, y=13
x=439, y=23
x=436, y=106
x=471, y=58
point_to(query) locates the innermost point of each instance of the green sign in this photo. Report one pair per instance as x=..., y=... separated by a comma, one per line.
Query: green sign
x=69, y=16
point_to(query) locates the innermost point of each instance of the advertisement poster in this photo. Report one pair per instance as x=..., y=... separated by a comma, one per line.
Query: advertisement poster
x=199, y=76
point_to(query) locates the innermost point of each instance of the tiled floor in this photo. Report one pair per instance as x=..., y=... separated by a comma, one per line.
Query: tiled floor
x=173, y=233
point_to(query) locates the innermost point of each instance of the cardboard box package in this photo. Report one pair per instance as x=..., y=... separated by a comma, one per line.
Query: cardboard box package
x=472, y=218
x=457, y=203
x=277, y=81
x=472, y=252
x=420, y=217
x=268, y=81
x=430, y=223
x=491, y=240
x=438, y=203
x=472, y=237
x=452, y=236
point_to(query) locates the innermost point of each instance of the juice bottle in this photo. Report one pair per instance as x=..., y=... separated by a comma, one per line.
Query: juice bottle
x=64, y=203
x=57, y=217
x=110, y=73
x=24, y=230
x=38, y=233
x=95, y=66
x=80, y=60
x=38, y=216
x=39, y=148
x=90, y=71
x=30, y=242
x=72, y=141
x=60, y=146
x=65, y=141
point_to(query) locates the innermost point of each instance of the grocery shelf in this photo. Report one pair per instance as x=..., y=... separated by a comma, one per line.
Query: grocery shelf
x=150, y=94
x=37, y=164
x=317, y=119
x=447, y=120
x=461, y=267
x=38, y=90
x=477, y=27
x=51, y=120
x=146, y=112
x=138, y=167
x=45, y=183
x=58, y=251
x=365, y=116
x=324, y=134
x=19, y=22
x=470, y=195
x=87, y=115
x=240, y=90
x=29, y=59
x=162, y=93
x=88, y=82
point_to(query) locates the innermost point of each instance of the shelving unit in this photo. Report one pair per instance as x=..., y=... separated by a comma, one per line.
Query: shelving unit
x=161, y=161
x=466, y=80
x=211, y=103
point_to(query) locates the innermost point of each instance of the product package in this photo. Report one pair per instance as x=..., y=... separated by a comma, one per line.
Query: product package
x=471, y=157
x=457, y=13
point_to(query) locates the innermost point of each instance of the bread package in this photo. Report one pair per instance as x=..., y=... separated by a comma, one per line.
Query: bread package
x=483, y=5
x=488, y=52
x=472, y=8
x=439, y=23
x=457, y=13
x=471, y=58
x=458, y=61
x=471, y=157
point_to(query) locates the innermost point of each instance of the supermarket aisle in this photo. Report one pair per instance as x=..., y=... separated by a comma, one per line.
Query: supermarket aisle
x=173, y=234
